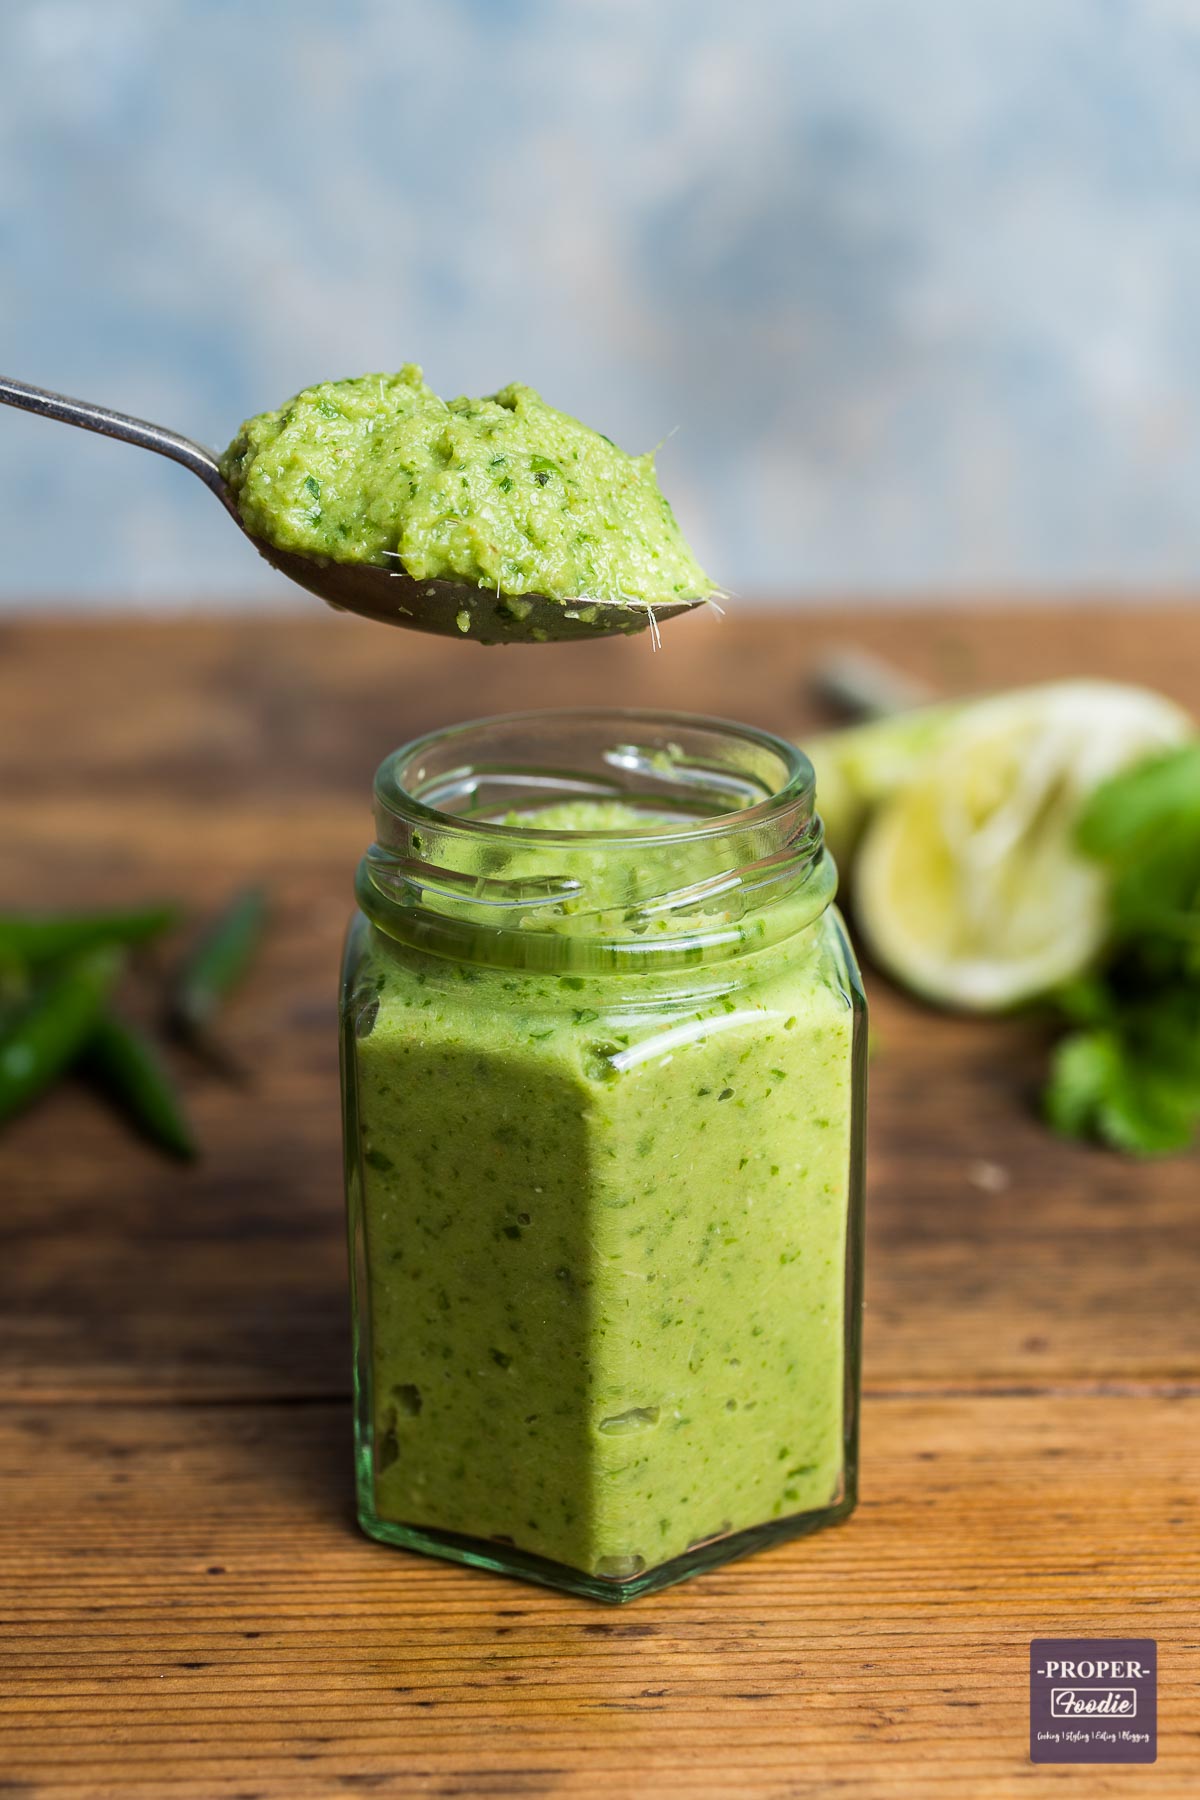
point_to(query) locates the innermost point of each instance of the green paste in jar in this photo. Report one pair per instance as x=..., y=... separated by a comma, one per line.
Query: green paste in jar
x=605, y=1238
x=505, y=492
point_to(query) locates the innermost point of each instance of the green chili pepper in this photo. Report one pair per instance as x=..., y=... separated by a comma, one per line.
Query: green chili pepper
x=15, y=989
x=128, y=1066
x=218, y=962
x=53, y=1028
x=34, y=938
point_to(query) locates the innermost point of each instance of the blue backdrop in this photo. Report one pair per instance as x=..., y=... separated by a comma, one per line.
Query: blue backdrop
x=914, y=284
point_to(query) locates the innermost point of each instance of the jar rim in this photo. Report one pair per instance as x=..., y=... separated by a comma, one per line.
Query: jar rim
x=706, y=879
x=399, y=799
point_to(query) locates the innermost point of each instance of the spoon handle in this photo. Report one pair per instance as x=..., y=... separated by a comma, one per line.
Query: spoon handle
x=193, y=456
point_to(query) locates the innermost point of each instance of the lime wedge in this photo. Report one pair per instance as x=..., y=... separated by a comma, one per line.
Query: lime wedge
x=968, y=885
x=861, y=765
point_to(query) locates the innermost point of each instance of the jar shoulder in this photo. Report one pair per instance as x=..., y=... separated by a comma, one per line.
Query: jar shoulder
x=391, y=991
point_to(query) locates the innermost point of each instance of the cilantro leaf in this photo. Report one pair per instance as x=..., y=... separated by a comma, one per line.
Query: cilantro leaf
x=1084, y=1070
x=1125, y=1089
x=1126, y=813
x=1129, y=1072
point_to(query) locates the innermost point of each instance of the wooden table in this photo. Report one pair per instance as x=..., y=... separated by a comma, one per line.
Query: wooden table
x=188, y=1607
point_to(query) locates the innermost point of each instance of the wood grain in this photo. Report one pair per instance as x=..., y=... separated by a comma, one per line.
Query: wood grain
x=211, y=1617
x=173, y=1345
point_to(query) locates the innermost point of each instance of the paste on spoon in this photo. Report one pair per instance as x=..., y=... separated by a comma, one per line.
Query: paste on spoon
x=505, y=492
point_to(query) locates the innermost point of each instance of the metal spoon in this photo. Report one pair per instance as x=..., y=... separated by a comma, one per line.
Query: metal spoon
x=392, y=597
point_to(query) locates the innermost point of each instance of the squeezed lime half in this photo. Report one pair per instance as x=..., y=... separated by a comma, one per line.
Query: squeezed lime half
x=969, y=887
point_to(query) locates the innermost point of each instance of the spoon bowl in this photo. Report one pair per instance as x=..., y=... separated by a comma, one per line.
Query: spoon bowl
x=390, y=596
x=453, y=609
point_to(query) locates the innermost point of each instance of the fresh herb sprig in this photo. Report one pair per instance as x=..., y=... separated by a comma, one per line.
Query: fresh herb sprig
x=1128, y=1070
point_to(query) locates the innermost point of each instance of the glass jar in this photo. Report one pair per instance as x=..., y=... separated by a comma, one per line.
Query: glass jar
x=603, y=1056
